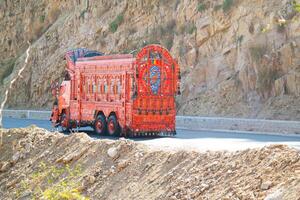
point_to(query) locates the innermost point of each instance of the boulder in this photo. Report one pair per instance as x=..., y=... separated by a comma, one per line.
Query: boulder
x=112, y=152
x=5, y=166
x=266, y=185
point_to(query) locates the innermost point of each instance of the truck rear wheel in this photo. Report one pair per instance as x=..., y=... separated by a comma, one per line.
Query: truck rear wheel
x=100, y=125
x=113, y=126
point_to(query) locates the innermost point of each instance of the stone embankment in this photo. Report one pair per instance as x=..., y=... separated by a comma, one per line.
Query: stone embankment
x=35, y=163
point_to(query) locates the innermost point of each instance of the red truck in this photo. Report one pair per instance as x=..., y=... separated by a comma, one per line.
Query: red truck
x=118, y=95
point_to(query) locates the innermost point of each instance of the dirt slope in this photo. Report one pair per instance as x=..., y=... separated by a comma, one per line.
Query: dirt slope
x=237, y=58
x=35, y=163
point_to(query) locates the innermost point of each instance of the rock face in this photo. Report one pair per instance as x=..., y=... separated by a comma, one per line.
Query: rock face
x=140, y=172
x=237, y=59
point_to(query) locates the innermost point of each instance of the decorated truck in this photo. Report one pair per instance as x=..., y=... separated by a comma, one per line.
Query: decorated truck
x=118, y=95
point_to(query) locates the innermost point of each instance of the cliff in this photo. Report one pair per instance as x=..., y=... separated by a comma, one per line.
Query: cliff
x=237, y=58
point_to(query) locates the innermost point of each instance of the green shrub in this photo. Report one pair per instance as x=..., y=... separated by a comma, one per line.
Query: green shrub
x=7, y=68
x=227, y=5
x=42, y=18
x=296, y=6
x=113, y=26
x=201, y=7
x=53, y=183
x=63, y=191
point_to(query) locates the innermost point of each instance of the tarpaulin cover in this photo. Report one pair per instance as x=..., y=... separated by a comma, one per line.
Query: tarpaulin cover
x=74, y=54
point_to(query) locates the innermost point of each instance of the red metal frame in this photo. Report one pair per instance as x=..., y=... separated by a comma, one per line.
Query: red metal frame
x=139, y=91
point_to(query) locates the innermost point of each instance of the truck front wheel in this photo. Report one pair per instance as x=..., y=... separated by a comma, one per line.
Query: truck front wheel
x=100, y=125
x=113, y=126
x=64, y=122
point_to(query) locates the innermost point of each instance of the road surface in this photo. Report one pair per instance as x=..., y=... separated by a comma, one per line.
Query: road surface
x=192, y=140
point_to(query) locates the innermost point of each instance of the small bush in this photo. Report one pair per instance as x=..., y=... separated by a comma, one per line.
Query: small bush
x=113, y=26
x=266, y=77
x=217, y=7
x=170, y=25
x=201, y=7
x=63, y=191
x=53, y=183
x=265, y=29
x=191, y=28
x=296, y=6
x=227, y=5
x=280, y=28
x=258, y=52
x=8, y=68
x=42, y=18
x=168, y=42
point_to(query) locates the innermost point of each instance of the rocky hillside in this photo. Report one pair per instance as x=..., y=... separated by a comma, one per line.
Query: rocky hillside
x=238, y=58
x=37, y=164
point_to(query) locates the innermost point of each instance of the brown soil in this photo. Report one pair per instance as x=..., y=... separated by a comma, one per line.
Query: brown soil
x=37, y=164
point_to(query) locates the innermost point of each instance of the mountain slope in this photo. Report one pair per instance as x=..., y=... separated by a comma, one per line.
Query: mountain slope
x=237, y=58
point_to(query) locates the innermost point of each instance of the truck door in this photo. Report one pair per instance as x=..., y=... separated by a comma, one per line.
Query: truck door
x=154, y=107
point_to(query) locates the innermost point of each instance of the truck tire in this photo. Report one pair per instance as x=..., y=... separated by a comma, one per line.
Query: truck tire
x=113, y=126
x=100, y=125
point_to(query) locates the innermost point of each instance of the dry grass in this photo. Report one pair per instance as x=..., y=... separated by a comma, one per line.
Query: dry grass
x=53, y=14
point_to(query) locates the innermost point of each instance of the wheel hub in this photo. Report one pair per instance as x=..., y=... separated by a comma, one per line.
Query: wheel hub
x=99, y=125
x=111, y=127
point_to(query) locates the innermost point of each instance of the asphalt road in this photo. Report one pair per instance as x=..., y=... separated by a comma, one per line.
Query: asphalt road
x=191, y=140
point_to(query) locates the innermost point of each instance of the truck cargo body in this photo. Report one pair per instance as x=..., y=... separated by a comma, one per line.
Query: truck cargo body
x=120, y=95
